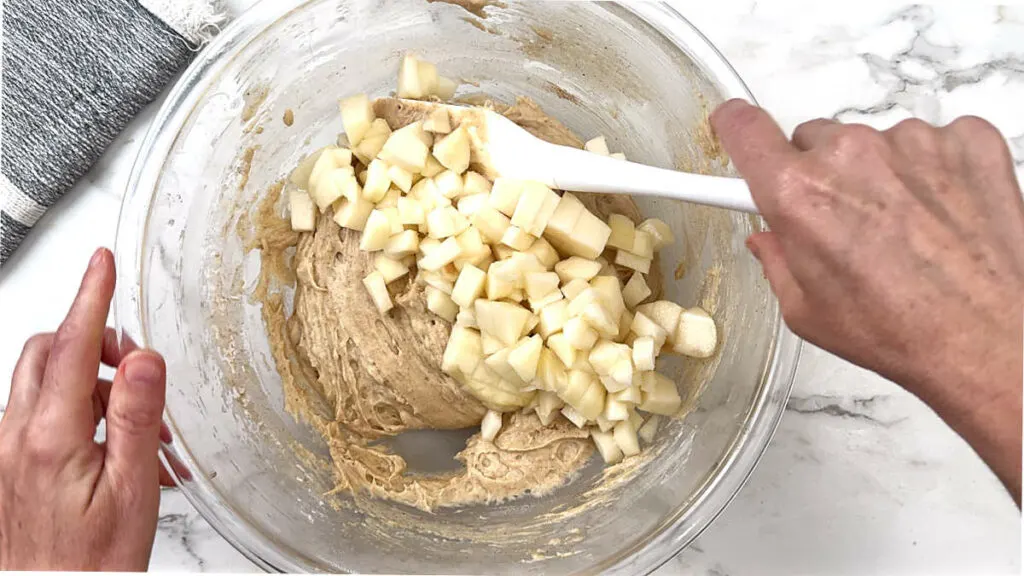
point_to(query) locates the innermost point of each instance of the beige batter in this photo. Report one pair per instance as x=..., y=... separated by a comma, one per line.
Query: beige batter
x=358, y=376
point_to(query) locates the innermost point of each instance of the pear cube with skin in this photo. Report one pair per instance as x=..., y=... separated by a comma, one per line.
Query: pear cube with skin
x=697, y=335
x=660, y=232
x=303, y=211
x=356, y=116
x=453, y=150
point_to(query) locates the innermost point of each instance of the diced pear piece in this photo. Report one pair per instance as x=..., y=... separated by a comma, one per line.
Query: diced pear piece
x=444, y=254
x=644, y=353
x=441, y=304
x=428, y=245
x=303, y=211
x=392, y=216
x=438, y=121
x=440, y=223
x=472, y=243
x=336, y=183
x=588, y=238
x=548, y=405
x=615, y=411
x=452, y=151
x=582, y=363
x=498, y=363
x=469, y=205
x=372, y=143
x=405, y=148
x=400, y=178
x=525, y=356
x=389, y=268
x=609, y=292
x=300, y=175
x=466, y=317
x=328, y=160
x=697, y=335
x=617, y=155
x=644, y=326
x=410, y=211
x=535, y=206
x=598, y=317
x=575, y=267
x=490, y=425
x=553, y=317
x=614, y=361
x=607, y=446
x=574, y=288
x=643, y=244
x=390, y=199
x=446, y=88
x=579, y=334
x=636, y=290
x=469, y=286
x=649, y=429
x=491, y=223
x=572, y=415
x=625, y=437
x=585, y=298
x=592, y=403
x=432, y=167
x=502, y=252
x=377, y=180
x=502, y=320
x=428, y=77
x=660, y=395
x=625, y=321
x=409, y=78
x=376, y=233
x=356, y=116
x=502, y=280
x=490, y=343
x=623, y=231
x=551, y=372
x=402, y=244
x=449, y=184
x=597, y=146
x=505, y=194
x=353, y=214
x=623, y=258
x=494, y=393
x=515, y=238
x=544, y=252
x=540, y=284
x=665, y=313
x=604, y=424
x=576, y=385
x=631, y=395
x=563, y=221
x=378, y=289
x=475, y=183
x=463, y=351
x=560, y=346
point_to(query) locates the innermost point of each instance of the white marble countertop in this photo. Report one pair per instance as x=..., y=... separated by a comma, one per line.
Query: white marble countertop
x=861, y=477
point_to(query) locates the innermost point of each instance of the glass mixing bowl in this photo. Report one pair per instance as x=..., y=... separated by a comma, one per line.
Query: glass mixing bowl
x=638, y=73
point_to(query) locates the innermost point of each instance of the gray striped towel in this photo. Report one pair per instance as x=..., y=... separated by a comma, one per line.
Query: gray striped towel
x=74, y=73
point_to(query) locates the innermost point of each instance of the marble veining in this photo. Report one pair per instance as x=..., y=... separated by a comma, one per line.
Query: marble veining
x=861, y=477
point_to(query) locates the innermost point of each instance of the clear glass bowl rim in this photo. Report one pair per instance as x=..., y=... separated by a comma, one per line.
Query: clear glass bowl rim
x=731, y=472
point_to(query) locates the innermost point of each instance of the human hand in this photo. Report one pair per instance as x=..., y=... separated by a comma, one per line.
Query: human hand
x=902, y=251
x=67, y=502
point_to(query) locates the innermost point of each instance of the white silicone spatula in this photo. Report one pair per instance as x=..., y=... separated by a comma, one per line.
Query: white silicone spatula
x=510, y=151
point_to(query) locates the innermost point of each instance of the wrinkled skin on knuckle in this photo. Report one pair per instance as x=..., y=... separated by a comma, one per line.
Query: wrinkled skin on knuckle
x=852, y=145
x=132, y=422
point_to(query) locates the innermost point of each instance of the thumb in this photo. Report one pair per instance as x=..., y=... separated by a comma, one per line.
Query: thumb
x=134, y=418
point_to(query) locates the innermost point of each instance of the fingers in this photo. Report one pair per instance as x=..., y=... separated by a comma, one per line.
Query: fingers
x=768, y=250
x=113, y=350
x=814, y=133
x=28, y=375
x=66, y=394
x=133, y=415
x=103, y=400
x=756, y=145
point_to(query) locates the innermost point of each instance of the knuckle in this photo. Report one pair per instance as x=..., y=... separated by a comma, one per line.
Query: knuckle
x=36, y=344
x=132, y=422
x=39, y=449
x=973, y=126
x=916, y=129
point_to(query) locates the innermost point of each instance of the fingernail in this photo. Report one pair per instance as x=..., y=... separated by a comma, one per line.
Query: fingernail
x=97, y=258
x=144, y=369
